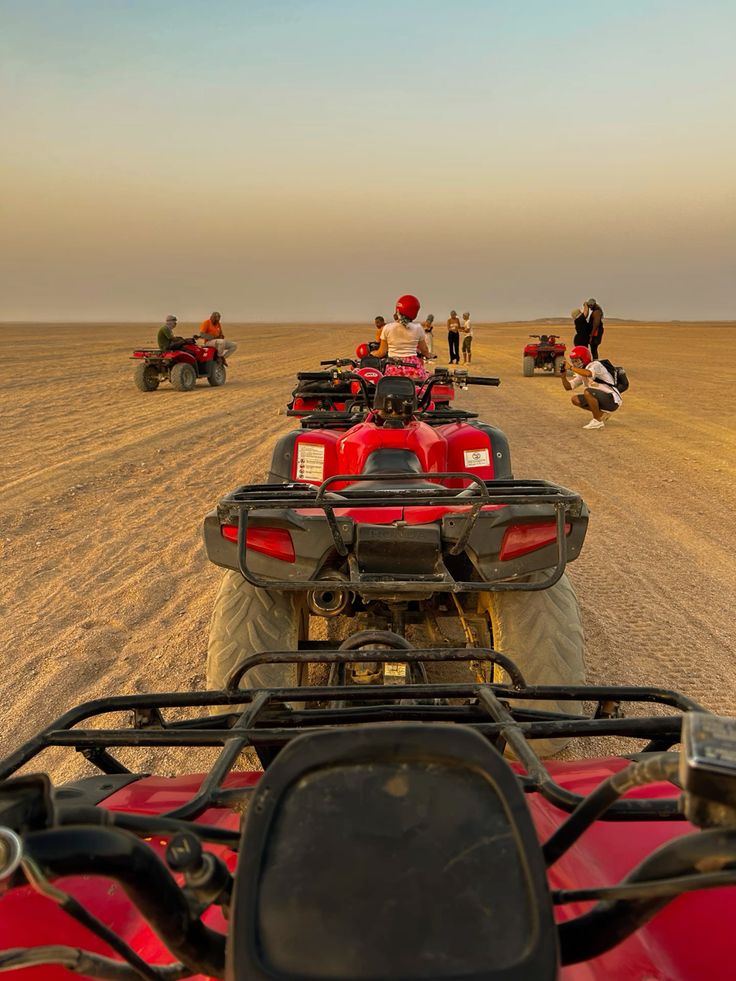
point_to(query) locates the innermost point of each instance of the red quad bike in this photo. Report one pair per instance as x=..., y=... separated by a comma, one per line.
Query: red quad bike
x=326, y=391
x=381, y=837
x=182, y=367
x=396, y=512
x=548, y=354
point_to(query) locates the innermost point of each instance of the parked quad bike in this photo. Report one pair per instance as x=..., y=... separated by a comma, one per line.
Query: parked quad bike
x=182, y=367
x=548, y=354
x=382, y=838
x=333, y=389
x=396, y=514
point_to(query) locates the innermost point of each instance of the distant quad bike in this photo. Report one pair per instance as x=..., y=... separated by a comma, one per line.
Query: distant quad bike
x=182, y=367
x=395, y=514
x=548, y=354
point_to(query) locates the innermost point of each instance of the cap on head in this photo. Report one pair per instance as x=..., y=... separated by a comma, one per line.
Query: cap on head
x=171, y=319
x=580, y=353
x=430, y=318
x=407, y=306
x=592, y=302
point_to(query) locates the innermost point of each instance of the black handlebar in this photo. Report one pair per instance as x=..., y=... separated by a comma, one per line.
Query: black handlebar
x=480, y=380
x=119, y=855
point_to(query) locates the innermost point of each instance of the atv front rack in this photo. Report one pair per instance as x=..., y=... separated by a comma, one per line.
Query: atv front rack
x=287, y=504
x=265, y=720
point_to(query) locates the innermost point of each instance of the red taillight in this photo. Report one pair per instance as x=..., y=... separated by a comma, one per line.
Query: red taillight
x=275, y=542
x=520, y=539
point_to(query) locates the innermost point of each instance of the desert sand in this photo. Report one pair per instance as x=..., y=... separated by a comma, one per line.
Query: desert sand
x=107, y=588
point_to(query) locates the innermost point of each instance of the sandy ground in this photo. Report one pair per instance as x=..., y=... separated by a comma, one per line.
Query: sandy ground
x=107, y=588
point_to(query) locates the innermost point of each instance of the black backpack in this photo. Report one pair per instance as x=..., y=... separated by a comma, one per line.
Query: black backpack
x=617, y=372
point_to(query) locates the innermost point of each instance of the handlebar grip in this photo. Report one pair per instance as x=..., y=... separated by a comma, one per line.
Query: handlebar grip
x=478, y=380
x=331, y=361
x=313, y=375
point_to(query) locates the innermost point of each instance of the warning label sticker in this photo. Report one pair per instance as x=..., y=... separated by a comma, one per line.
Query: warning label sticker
x=476, y=458
x=310, y=462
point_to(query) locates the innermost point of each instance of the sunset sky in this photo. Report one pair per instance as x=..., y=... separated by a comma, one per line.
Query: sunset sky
x=287, y=159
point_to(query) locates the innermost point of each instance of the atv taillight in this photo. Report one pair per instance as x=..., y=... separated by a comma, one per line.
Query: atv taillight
x=520, y=539
x=275, y=542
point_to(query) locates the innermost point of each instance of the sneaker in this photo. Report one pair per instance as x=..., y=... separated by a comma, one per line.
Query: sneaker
x=594, y=424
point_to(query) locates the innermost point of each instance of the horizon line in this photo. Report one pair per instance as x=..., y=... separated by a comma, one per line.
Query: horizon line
x=361, y=323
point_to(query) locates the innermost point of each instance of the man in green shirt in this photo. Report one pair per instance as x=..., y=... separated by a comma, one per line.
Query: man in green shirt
x=167, y=341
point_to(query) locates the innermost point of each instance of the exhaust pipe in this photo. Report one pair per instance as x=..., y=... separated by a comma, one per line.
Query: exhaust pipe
x=330, y=600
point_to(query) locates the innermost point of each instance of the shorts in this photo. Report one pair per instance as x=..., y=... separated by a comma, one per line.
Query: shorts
x=604, y=399
x=467, y=341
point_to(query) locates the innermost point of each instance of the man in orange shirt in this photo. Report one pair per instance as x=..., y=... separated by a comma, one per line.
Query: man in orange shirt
x=211, y=332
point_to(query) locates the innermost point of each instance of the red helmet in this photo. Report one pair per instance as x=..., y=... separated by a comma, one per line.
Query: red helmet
x=582, y=353
x=408, y=306
x=362, y=351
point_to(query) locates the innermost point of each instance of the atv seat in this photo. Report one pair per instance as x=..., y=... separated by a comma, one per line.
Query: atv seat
x=385, y=461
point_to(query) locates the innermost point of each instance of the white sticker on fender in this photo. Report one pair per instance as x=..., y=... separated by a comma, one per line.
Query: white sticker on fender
x=476, y=458
x=310, y=461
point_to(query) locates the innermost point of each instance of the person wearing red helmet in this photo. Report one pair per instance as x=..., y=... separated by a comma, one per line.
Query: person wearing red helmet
x=600, y=395
x=403, y=338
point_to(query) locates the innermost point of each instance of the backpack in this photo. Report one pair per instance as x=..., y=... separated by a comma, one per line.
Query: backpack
x=618, y=373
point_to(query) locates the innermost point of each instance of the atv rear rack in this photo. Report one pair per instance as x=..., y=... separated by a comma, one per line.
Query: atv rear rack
x=264, y=720
x=550, y=501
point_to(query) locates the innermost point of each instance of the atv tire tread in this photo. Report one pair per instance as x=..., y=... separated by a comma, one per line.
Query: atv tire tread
x=146, y=378
x=247, y=620
x=542, y=633
x=217, y=375
x=183, y=377
x=528, y=366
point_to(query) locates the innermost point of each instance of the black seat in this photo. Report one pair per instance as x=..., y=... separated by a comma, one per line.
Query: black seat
x=385, y=461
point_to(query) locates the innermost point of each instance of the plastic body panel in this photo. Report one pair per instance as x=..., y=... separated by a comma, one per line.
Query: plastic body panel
x=688, y=941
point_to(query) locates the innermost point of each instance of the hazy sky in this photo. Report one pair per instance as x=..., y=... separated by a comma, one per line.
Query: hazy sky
x=287, y=159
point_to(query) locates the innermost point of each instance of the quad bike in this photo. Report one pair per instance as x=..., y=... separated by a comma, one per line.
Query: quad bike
x=548, y=354
x=333, y=389
x=182, y=367
x=380, y=838
x=398, y=514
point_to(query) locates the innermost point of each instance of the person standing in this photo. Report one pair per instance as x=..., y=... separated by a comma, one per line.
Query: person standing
x=582, y=329
x=211, y=332
x=453, y=337
x=467, y=339
x=594, y=316
x=428, y=326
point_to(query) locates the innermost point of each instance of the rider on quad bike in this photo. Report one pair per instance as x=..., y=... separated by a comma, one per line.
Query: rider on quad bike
x=179, y=360
x=402, y=514
x=403, y=338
